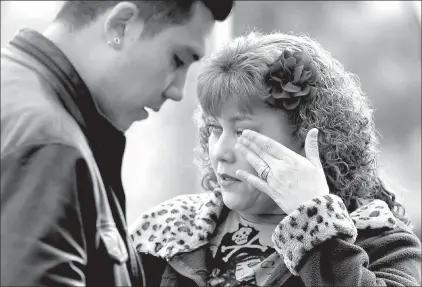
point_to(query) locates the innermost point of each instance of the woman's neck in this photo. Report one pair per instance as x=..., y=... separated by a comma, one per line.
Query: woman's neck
x=262, y=218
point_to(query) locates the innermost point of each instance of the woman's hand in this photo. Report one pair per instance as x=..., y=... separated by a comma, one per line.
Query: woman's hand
x=291, y=179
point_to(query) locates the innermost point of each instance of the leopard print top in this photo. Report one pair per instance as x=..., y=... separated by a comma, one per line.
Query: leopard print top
x=187, y=222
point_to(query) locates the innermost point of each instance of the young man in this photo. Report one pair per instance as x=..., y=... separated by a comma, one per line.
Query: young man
x=67, y=96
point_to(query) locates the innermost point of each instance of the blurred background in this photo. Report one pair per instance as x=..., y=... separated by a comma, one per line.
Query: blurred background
x=380, y=41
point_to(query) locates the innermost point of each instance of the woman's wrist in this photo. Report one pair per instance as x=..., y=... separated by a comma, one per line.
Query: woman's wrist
x=311, y=224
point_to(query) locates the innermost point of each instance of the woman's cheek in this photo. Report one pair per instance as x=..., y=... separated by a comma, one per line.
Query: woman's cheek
x=210, y=154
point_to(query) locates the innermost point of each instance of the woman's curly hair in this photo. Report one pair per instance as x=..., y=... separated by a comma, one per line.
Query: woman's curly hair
x=348, y=140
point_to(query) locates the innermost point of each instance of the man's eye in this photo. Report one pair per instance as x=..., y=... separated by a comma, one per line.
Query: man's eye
x=239, y=133
x=177, y=62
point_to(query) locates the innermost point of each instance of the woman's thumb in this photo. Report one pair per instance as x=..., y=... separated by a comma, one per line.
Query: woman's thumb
x=311, y=147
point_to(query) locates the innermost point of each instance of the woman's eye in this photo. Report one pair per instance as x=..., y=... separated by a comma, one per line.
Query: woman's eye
x=177, y=62
x=239, y=133
x=213, y=129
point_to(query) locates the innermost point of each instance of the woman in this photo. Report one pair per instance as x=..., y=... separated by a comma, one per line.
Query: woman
x=290, y=152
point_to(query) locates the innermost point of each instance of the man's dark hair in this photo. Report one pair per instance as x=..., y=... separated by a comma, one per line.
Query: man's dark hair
x=77, y=14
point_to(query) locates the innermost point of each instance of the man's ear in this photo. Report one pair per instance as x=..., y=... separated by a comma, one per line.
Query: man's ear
x=123, y=25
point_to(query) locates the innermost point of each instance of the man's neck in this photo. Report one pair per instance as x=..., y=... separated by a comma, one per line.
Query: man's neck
x=75, y=46
x=70, y=43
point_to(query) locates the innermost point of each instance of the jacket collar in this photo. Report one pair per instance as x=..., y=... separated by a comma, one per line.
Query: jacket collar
x=187, y=222
x=179, y=225
x=107, y=143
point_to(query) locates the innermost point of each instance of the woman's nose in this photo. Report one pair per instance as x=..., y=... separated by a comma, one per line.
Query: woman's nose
x=224, y=149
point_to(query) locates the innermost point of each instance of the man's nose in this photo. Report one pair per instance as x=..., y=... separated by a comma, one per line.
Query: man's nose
x=175, y=91
x=175, y=94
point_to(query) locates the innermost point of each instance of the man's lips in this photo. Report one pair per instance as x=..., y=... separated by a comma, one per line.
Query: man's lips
x=154, y=109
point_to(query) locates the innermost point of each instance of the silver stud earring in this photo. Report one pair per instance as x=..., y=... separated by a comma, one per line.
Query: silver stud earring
x=116, y=41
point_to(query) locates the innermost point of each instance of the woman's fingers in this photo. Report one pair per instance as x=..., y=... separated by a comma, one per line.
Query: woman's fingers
x=265, y=145
x=256, y=182
x=262, y=153
x=253, y=159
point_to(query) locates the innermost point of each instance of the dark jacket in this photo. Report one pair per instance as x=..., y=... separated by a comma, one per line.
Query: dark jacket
x=62, y=201
x=319, y=244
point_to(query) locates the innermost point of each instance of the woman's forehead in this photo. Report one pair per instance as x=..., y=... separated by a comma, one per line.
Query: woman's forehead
x=235, y=108
x=232, y=112
x=258, y=113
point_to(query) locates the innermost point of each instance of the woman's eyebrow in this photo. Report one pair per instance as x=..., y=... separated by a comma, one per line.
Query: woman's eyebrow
x=236, y=118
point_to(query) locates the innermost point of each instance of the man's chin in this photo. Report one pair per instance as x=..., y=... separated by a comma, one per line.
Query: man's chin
x=129, y=122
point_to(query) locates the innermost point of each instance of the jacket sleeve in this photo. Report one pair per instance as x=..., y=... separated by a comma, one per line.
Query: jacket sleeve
x=42, y=238
x=317, y=242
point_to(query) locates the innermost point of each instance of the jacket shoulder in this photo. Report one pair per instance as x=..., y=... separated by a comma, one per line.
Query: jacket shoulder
x=29, y=113
x=377, y=225
x=400, y=232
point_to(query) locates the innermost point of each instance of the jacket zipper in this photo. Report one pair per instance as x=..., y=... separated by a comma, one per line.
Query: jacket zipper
x=135, y=261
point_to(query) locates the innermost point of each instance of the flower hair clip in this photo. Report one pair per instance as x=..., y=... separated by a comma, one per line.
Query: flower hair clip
x=291, y=77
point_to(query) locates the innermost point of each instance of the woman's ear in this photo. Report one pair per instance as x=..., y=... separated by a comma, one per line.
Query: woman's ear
x=123, y=25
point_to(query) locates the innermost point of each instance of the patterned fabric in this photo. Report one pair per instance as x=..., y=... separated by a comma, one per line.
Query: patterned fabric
x=178, y=225
x=242, y=253
x=380, y=256
x=375, y=214
x=321, y=219
x=184, y=223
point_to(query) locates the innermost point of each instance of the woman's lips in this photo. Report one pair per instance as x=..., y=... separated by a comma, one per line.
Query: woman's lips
x=227, y=181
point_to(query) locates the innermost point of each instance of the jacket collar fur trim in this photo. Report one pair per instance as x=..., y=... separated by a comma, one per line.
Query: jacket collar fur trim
x=187, y=222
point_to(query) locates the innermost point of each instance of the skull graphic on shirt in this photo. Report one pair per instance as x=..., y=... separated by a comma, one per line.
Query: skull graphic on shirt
x=240, y=237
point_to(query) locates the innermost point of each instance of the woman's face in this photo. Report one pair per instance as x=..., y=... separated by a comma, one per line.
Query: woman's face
x=226, y=160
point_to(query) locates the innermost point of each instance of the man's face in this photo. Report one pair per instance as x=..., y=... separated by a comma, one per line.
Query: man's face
x=146, y=71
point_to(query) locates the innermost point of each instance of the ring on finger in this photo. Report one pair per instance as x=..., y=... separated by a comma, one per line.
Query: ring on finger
x=263, y=174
